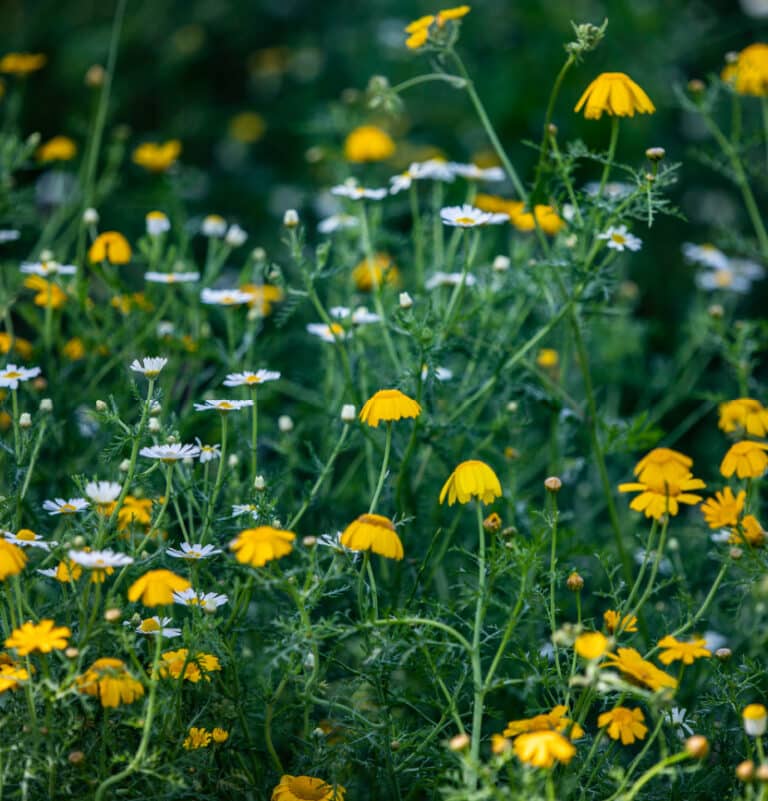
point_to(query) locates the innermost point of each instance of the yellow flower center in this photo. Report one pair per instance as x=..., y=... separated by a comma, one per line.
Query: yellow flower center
x=67, y=507
x=723, y=278
x=150, y=624
x=465, y=220
x=252, y=379
x=12, y=374
x=225, y=405
x=619, y=239
x=26, y=534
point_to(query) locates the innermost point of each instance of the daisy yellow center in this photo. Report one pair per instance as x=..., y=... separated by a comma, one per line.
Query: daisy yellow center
x=195, y=554
x=100, y=563
x=151, y=373
x=195, y=601
x=723, y=278
x=306, y=789
x=225, y=405
x=67, y=507
x=26, y=535
x=12, y=374
x=465, y=220
x=335, y=328
x=149, y=625
x=252, y=379
x=619, y=239
x=227, y=299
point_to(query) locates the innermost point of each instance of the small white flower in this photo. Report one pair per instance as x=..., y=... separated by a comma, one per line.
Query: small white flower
x=291, y=218
x=103, y=491
x=337, y=222
x=348, y=413
x=165, y=328
x=339, y=312
x=100, y=559
x=333, y=541
x=501, y=264
x=171, y=278
x=614, y=190
x=724, y=535
x=28, y=539
x=208, y=453
x=449, y=279
x=284, y=423
x=467, y=216
x=361, y=316
x=618, y=238
x=214, y=226
x=170, y=453
x=474, y=173
x=46, y=268
x=249, y=379
x=405, y=300
x=25, y=420
x=155, y=625
x=90, y=216
x=60, y=506
x=706, y=255
x=207, y=601
x=12, y=374
x=236, y=236
x=245, y=509
x=9, y=235
x=401, y=182
x=223, y=405
x=432, y=169
x=328, y=333
x=192, y=552
x=353, y=191
x=150, y=366
x=723, y=280
x=714, y=640
x=224, y=297
x=676, y=718
x=157, y=223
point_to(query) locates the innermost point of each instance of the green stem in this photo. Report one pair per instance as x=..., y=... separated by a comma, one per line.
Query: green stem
x=254, y=435
x=219, y=476
x=477, y=672
x=383, y=472
x=611, y=154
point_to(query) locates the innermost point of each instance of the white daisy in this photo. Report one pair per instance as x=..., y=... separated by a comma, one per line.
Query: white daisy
x=714, y=640
x=170, y=453
x=100, y=559
x=726, y=280
x=401, y=182
x=46, y=268
x=207, y=601
x=249, y=379
x=236, y=236
x=676, y=718
x=102, y=491
x=12, y=374
x=9, y=235
x=333, y=541
x=156, y=625
x=432, y=169
x=224, y=297
x=328, y=333
x=171, y=278
x=245, y=509
x=619, y=238
x=208, y=453
x=223, y=405
x=337, y=222
x=165, y=328
x=465, y=216
x=707, y=255
x=474, y=173
x=353, y=191
x=149, y=366
x=449, y=279
x=59, y=506
x=361, y=316
x=192, y=552
x=214, y=226
x=28, y=539
x=157, y=223
x=614, y=190
x=340, y=312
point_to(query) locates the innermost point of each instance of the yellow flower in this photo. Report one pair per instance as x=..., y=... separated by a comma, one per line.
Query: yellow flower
x=44, y=637
x=755, y=717
x=724, y=509
x=110, y=681
x=751, y=531
x=498, y=205
x=257, y=546
x=262, y=296
x=388, y=405
x=663, y=464
x=22, y=346
x=60, y=148
x=470, y=479
x=751, y=70
x=500, y=744
x=73, y=349
x=547, y=218
x=419, y=31
x=112, y=247
x=616, y=94
x=247, y=127
x=547, y=358
x=373, y=533
x=306, y=788
x=543, y=748
x=556, y=720
x=368, y=143
x=67, y=571
x=684, y=652
x=220, y=735
x=197, y=738
x=22, y=63
x=133, y=510
x=745, y=414
x=591, y=645
x=12, y=559
x=382, y=270
x=156, y=587
x=613, y=622
x=11, y=675
x=623, y=723
x=662, y=488
x=193, y=667
x=746, y=458
x=48, y=293
x=638, y=670
x=157, y=157
x=447, y=14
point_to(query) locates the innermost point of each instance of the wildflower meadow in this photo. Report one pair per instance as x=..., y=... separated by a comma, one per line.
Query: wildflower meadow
x=382, y=401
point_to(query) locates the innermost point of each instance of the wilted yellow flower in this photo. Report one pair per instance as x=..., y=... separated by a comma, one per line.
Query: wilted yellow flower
x=547, y=218
x=48, y=293
x=624, y=724
x=684, y=652
x=156, y=587
x=543, y=748
x=388, y=405
x=616, y=94
x=257, y=546
x=724, y=509
x=638, y=670
x=219, y=735
x=306, y=788
x=746, y=414
x=375, y=533
x=11, y=675
x=751, y=531
x=44, y=637
x=369, y=275
x=22, y=63
x=663, y=464
x=247, y=127
x=60, y=148
x=110, y=681
x=157, y=157
x=471, y=479
x=747, y=459
x=12, y=559
x=111, y=246
x=591, y=645
x=613, y=622
x=368, y=143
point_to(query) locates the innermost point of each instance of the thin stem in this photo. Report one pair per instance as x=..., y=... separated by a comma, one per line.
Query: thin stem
x=611, y=153
x=254, y=435
x=477, y=673
x=384, y=465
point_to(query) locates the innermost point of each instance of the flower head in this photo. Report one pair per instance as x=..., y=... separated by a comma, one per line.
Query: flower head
x=152, y=626
x=724, y=509
x=48, y=294
x=207, y=601
x=100, y=560
x=46, y=268
x=618, y=238
x=467, y=216
x=614, y=622
x=170, y=453
x=543, y=748
x=214, y=226
x=257, y=546
x=12, y=374
x=12, y=559
x=685, y=652
x=156, y=157
x=224, y=297
x=471, y=479
x=172, y=278
x=157, y=223
x=746, y=458
x=102, y=492
x=375, y=533
x=223, y=405
x=109, y=680
x=197, y=738
x=624, y=724
x=251, y=379
x=44, y=637
x=193, y=552
x=591, y=645
x=112, y=247
x=638, y=670
x=546, y=217
x=26, y=538
x=65, y=507
x=751, y=70
x=556, y=720
x=150, y=366
x=22, y=63
x=745, y=415
x=372, y=273
x=368, y=143
x=353, y=191
x=193, y=666
x=306, y=788
x=60, y=148
x=755, y=717
x=388, y=405
x=11, y=676
x=156, y=587
x=616, y=94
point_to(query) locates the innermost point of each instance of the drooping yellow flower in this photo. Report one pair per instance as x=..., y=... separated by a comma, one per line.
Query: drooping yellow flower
x=724, y=509
x=624, y=724
x=749, y=530
x=685, y=652
x=48, y=293
x=257, y=546
x=157, y=157
x=247, y=127
x=471, y=479
x=755, y=717
x=388, y=405
x=665, y=482
x=109, y=680
x=197, y=738
x=22, y=63
x=614, y=622
x=306, y=788
x=368, y=143
x=556, y=720
x=370, y=275
x=156, y=587
x=591, y=644
x=60, y=148
x=547, y=218
x=616, y=94
x=112, y=247
x=543, y=748
x=194, y=667
x=11, y=675
x=743, y=414
x=375, y=533
x=21, y=346
x=663, y=464
x=44, y=637
x=638, y=670
x=747, y=459
x=751, y=70
x=12, y=559
x=219, y=735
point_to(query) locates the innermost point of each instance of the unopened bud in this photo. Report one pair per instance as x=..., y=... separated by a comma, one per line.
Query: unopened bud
x=655, y=153
x=125, y=465
x=154, y=425
x=90, y=217
x=731, y=57
x=291, y=218
x=101, y=406
x=25, y=420
x=761, y=774
x=284, y=423
x=723, y=654
x=716, y=311
x=348, y=414
x=112, y=615
x=259, y=483
x=394, y=745
x=155, y=408
x=575, y=582
x=736, y=553
x=501, y=264
x=78, y=541
x=697, y=746
x=95, y=76
x=75, y=757
x=406, y=301
x=259, y=254
x=553, y=484
x=72, y=652
x=696, y=87
x=309, y=541
x=233, y=460
x=552, y=129
x=492, y=523
x=46, y=405
x=650, y=177
x=745, y=771
x=459, y=743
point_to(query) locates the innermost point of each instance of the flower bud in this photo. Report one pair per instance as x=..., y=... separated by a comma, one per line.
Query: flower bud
x=259, y=483
x=284, y=423
x=112, y=615
x=512, y=406
x=309, y=541
x=46, y=405
x=233, y=460
x=90, y=217
x=236, y=236
x=723, y=654
x=394, y=746
x=655, y=153
x=553, y=484
x=696, y=86
x=95, y=76
x=78, y=541
x=155, y=408
x=72, y=652
x=125, y=465
x=716, y=311
x=291, y=218
x=492, y=523
x=761, y=774
x=101, y=406
x=154, y=425
x=501, y=264
x=348, y=413
x=755, y=717
x=459, y=743
x=259, y=254
x=697, y=746
x=76, y=757
x=735, y=553
x=406, y=301
x=25, y=420
x=575, y=582
x=745, y=771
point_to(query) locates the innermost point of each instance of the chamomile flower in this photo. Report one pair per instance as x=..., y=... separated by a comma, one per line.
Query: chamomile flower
x=337, y=222
x=466, y=216
x=149, y=366
x=208, y=453
x=440, y=373
x=250, y=379
x=618, y=238
x=59, y=506
x=157, y=223
x=328, y=333
x=245, y=509
x=474, y=173
x=401, y=182
x=102, y=492
x=432, y=169
x=224, y=297
x=12, y=374
x=193, y=552
x=170, y=453
x=214, y=226
x=676, y=717
x=207, y=601
x=355, y=192
x=26, y=538
x=236, y=236
x=152, y=626
x=223, y=405
x=172, y=278
x=9, y=235
x=440, y=278
x=707, y=255
x=614, y=190
x=100, y=559
x=46, y=268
